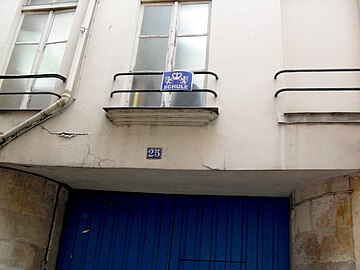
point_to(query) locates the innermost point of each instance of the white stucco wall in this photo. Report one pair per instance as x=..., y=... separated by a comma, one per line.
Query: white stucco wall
x=10, y=14
x=249, y=42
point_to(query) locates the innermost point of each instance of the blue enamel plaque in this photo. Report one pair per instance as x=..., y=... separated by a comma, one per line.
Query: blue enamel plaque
x=177, y=80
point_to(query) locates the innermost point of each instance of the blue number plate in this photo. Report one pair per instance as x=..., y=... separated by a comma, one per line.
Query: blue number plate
x=154, y=153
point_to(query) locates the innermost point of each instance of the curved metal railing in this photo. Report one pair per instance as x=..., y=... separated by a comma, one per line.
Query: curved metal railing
x=150, y=73
x=316, y=89
x=29, y=93
x=157, y=73
x=315, y=70
x=162, y=91
x=32, y=76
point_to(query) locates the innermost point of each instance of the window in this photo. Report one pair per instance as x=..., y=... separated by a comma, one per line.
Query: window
x=171, y=37
x=38, y=48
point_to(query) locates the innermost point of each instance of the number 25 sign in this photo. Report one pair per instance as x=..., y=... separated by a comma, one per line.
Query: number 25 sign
x=154, y=153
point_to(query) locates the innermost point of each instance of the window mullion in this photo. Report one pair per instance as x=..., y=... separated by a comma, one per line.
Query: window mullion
x=40, y=52
x=166, y=97
x=172, y=38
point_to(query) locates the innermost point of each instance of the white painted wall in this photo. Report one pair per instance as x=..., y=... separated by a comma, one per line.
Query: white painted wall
x=10, y=14
x=249, y=41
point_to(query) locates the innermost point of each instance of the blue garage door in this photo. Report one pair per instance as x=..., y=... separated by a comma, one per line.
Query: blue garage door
x=105, y=230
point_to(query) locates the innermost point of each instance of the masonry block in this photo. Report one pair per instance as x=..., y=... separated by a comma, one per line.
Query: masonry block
x=322, y=234
x=321, y=187
x=27, y=205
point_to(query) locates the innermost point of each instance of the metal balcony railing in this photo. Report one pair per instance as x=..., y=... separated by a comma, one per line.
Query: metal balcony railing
x=32, y=76
x=29, y=93
x=315, y=89
x=158, y=73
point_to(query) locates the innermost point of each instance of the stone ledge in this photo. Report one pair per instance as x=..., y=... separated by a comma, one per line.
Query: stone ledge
x=162, y=116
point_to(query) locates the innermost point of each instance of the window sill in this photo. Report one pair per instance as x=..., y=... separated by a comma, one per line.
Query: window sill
x=160, y=116
x=319, y=118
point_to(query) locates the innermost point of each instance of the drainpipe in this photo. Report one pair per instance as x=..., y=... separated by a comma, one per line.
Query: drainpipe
x=67, y=97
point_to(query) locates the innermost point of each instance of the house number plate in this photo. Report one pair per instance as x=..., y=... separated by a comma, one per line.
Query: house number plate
x=154, y=153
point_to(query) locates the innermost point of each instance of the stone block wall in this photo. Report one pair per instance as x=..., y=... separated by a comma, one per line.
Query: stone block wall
x=28, y=206
x=322, y=226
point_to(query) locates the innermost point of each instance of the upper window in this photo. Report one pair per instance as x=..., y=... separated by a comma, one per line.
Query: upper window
x=171, y=37
x=38, y=48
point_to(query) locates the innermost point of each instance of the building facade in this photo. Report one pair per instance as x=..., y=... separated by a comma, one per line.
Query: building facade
x=254, y=168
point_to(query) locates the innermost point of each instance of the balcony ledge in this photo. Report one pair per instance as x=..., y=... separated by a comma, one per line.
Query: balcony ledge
x=319, y=118
x=162, y=116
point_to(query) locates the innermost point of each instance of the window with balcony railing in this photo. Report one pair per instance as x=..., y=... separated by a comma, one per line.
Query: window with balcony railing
x=171, y=36
x=38, y=48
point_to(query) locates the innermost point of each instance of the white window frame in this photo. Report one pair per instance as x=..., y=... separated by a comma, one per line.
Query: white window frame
x=171, y=48
x=51, y=9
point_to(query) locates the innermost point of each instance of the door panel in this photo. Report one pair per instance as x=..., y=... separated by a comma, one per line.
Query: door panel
x=116, y=231
x=230, y=233
x=105, y=230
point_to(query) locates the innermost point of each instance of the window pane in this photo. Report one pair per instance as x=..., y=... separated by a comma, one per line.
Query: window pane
x=50, y=64
x=21, y=62
x=22, y=59
x=188, y=99
x=61, y=27
x=52, y=58
x=35, y=2
x=190, y=53
x=144, y=99
x=151, y=54
x=156, y=20
x=193, y=19
x=39, y=101
x=12, y=102
x=32, y=28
